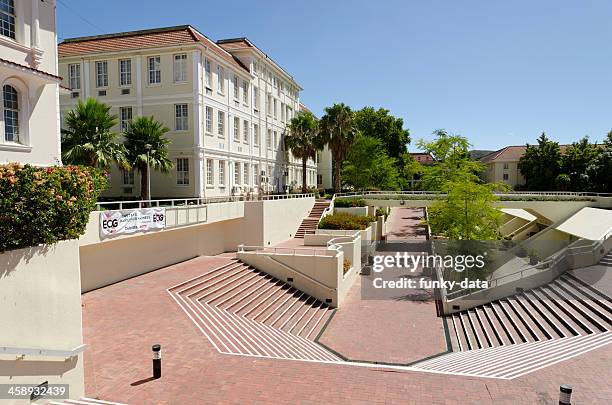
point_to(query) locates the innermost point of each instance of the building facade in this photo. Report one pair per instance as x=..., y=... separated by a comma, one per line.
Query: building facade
x=226, y=104
x=29, y=84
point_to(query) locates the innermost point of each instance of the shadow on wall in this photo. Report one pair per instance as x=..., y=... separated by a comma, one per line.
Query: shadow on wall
x=10, y=260
x=15, y=368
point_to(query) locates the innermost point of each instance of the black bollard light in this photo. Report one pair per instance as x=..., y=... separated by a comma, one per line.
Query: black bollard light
x=565, y=394
x=156, y=361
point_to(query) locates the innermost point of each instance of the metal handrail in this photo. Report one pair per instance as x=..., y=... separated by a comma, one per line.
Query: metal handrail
x=285, y=250
x=535, y=193
x=309, y=278
x=22, y=351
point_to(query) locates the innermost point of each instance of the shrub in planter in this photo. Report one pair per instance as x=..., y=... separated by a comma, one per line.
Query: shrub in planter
x=44, y=205
x=349, y=202
x=346, y=265
x=346, y=221
x=381, y=212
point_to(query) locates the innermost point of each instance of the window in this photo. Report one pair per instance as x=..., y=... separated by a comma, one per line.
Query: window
x=505, y=166
x=275, y=109
x=256, y=134
x=255, y=174
x=245, y=173
x=283, y=112
x=180, y=120
x=221, y=123
x=125, y=116
x=245, y=131
x=128, y=177
x=505, y=176
x=236, y=173
x=180, y=68
x=102, y=73
x=207, y=74
x=269, y=105
x=74, y=75
x=269, y=139
x=220, y=87
x=125, y=72
x=275, y=140
x=182, y=171
x=7, y=18
x=236, y=128
x=256, y=98
x=245, y=92
x=155, y=70
x=209, y=172
x=221, y=172
x=236, y=88
x=10, y=97
x=209, y=118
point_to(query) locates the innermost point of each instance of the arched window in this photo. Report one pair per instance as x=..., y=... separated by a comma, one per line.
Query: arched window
x=7, y=18
x=10, y=97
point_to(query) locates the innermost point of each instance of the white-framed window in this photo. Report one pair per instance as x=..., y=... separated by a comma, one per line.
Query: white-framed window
x=125, y=116
x=210, y=172
x=127, y=177
x=220, y=81
x=245, y=92
x=207, y=74
x=182, y=171
x=256, y=134
x=236, y=173
x=10, y=98
x=221, y=172
x=125, y=72
x=283, y=112
x=236, y=88
x=269, y=139
x=7, y=18
x=269, y=105
x=275, y=140
x=209, y=120
x=256, y=174
x=506, y=166
x=180, y=68
x=102, y=73
x=275, y=109
x=245, y=173
x=256, y=98
x=221, y=123
x=245, y=131
x=505, y=177
x=154, y=69
x=236, y=128
x=74, y=75
x=254, y=66
x=180, y=117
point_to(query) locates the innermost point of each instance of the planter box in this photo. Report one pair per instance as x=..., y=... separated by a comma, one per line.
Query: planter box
x=362, y=211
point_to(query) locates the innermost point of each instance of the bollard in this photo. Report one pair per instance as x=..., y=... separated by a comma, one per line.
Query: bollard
x=565, y=394
x=156, y=361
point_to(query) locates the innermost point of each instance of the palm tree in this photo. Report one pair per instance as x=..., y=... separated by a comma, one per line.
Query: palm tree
x=302, y=140
x=339, y=131
x=88, y=139
x=147, y=147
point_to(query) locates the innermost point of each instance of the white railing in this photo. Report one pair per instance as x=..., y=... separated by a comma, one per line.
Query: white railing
x=568, y=194
x=178, y=202
x=22, y=351
x=287, y=250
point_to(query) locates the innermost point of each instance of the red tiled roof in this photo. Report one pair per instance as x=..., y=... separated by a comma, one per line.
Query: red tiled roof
x=510, y=154
x=31, y=69
x=303, y=107
x=421, y=157
x=154, y=38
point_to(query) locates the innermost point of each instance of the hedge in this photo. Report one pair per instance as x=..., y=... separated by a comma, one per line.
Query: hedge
x=345, y=221
x=44, y=205
x=349, y=202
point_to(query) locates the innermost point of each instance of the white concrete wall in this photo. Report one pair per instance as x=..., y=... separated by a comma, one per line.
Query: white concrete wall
x=362, y=211
x=41, y=308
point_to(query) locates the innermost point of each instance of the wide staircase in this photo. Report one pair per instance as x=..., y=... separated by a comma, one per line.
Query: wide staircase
x=242, y=310
x=529, y=330
x=310, y=223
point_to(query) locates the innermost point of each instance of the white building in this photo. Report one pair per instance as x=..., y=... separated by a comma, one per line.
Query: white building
x=29, y=123
x=226, y=103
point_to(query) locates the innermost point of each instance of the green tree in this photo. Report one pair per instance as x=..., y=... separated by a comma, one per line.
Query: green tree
x=368, y=166
x=452, y=161
x=410, y=169
x=600, y=170
x=145, y=141
x=574, y=162
x=87, y=138
x=338, y=130
x=303, y=140
x=385, y=127
x=541, y=164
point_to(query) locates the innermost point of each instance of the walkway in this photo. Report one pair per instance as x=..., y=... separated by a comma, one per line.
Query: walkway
x=406, y=223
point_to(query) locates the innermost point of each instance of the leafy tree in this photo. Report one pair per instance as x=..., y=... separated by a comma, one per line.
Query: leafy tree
x=563, y=182
x=410, y=169
x=452, y=161
x=368, y=166
x=384, y=126
x=146, y=134
x=574, y=162
x=600, y=171
x=541, y=164
x=303, y=140
x=88, y=140
x=338, y=130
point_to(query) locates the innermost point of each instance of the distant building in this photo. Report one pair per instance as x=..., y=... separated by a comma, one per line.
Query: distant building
x=29, y=84
x=423, y=158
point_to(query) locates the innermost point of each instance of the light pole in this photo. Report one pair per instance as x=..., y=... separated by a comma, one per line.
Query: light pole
x=148, y=149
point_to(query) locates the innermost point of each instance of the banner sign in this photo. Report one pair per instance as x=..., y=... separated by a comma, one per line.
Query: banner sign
x=129, y=221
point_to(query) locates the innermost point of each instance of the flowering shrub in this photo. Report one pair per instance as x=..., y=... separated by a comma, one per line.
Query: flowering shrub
x=43, y=205
x=346, y=222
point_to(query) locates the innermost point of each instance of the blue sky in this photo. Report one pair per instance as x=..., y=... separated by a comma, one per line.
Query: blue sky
x=498, y=72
